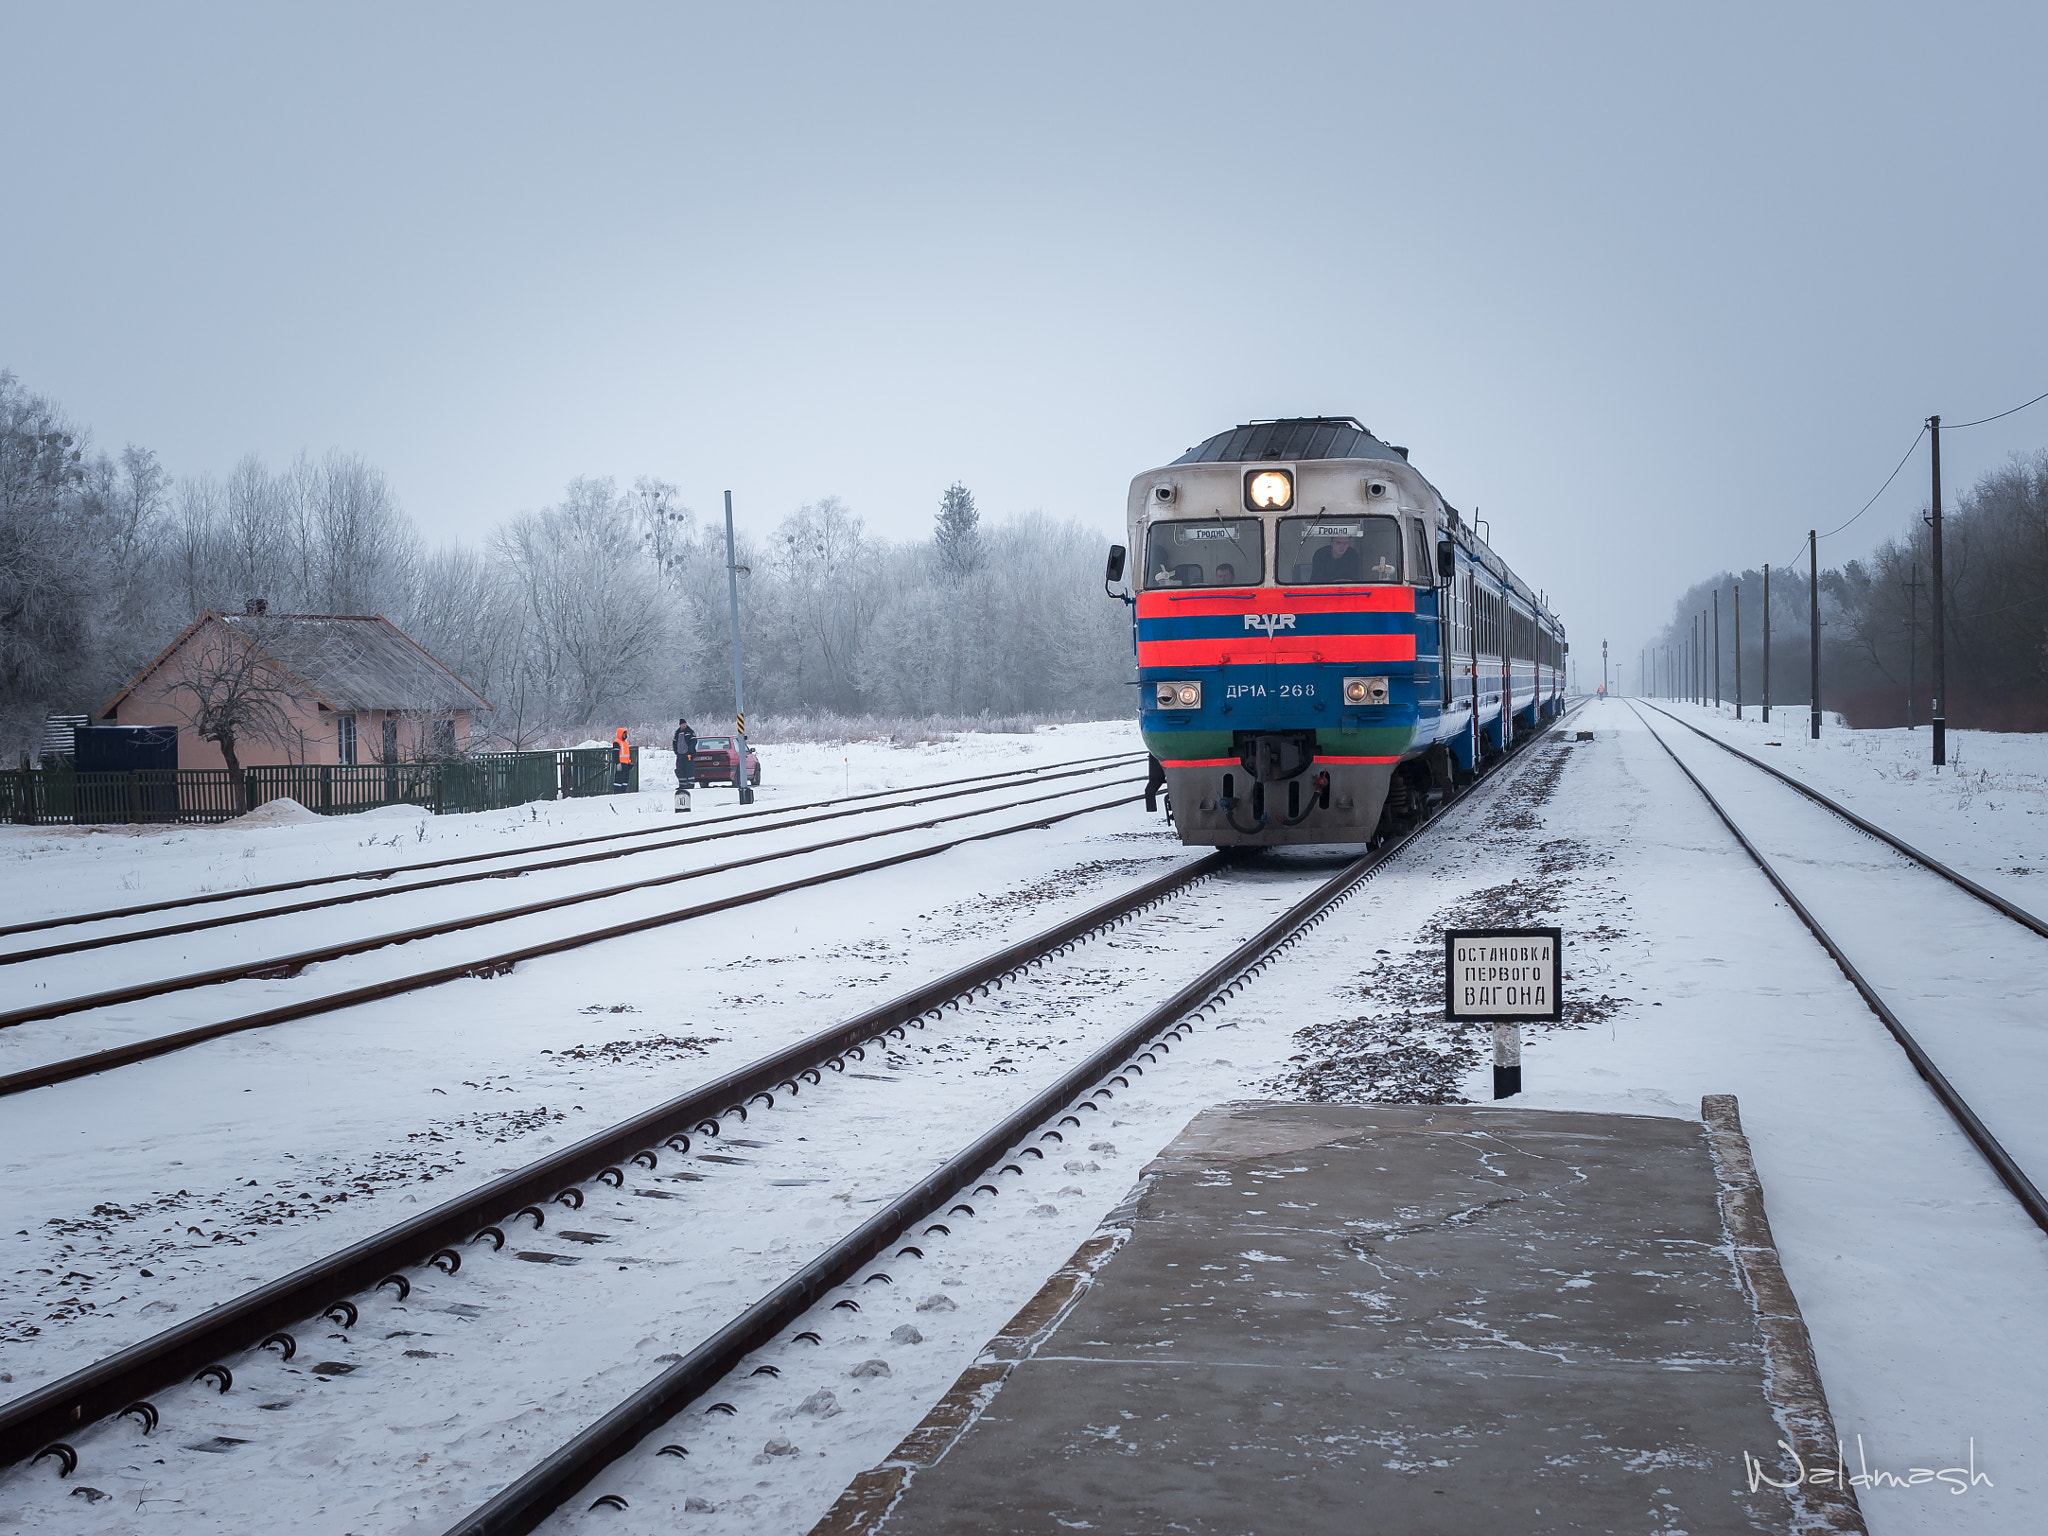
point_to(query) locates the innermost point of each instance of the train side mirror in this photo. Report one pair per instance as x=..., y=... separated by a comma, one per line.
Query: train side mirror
x=1113, y=572
x=1446, y=560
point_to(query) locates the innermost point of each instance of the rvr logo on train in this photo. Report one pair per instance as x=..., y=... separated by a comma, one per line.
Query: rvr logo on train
x=1271, y=623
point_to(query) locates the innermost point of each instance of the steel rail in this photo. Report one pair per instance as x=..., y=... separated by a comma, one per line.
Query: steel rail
x=170, y=1357
x=108, y=941
x=66, y=1070
x=266, y=968
x=1991, y=898
x=2001, y=1161
x=525, y=1503
x=142, y=909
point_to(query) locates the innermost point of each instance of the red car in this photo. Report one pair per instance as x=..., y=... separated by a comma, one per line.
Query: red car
x=713, y=761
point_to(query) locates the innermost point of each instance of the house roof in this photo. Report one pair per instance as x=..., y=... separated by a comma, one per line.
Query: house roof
x=346, y=661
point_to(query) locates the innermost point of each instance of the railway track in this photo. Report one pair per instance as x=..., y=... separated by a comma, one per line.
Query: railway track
x=657, y=840
x=497, y=963
x=441, y=1237
x=1907, y=925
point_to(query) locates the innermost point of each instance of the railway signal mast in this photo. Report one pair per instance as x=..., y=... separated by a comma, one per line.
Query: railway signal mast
x=1936, y=718
x=733, y=572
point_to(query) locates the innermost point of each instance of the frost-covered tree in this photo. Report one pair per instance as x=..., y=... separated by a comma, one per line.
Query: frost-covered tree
x=957, y=538
x=608, y=607
x=596, y=619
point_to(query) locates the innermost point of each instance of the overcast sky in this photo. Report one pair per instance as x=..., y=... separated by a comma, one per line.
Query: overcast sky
x=1654, y=288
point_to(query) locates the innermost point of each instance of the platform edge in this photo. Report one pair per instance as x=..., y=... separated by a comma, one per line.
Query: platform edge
x=869, y=1498
x=1792, y=1383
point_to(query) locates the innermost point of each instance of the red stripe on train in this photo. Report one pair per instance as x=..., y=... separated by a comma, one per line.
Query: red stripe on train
x=1169, y=604
x=1257, y=650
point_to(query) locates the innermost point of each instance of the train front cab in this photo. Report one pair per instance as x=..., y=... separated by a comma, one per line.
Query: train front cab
x=1287, y=659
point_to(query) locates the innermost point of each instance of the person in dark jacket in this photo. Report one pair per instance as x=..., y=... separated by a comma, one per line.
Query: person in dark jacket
x=1337, y=561
x=686, y=753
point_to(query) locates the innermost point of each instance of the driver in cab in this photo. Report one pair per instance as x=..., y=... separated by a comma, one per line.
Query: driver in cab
x=1342, y=560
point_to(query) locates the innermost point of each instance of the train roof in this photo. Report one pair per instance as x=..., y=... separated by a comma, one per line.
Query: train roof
x=1293, y=437
x=1345, y=437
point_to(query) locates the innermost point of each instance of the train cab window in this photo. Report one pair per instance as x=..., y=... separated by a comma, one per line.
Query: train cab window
x=1214, y=552
x=1324, y=549
x=1421, y=569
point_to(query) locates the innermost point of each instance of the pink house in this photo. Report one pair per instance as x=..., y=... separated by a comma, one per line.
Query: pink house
x=300, y=688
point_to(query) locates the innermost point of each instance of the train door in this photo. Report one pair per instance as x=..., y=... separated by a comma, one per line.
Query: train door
x=1446, y=640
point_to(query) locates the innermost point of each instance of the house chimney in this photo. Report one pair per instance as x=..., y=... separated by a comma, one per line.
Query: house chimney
x=257, y=606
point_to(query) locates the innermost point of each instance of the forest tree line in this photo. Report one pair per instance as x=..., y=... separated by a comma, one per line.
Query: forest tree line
x=1877, y=619
x=608, y=607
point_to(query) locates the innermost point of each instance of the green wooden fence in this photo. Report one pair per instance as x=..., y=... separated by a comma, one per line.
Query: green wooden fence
x=488, y=782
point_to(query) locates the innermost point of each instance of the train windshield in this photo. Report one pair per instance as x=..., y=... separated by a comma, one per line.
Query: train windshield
x=1325, y=548
x=1215, y=552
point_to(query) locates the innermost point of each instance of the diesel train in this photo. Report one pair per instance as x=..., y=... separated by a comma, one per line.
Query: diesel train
x=1324, y=644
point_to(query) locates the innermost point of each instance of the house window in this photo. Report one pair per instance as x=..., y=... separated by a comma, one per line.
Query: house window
x=345, y=739
x=444, y=739
x=390, y=740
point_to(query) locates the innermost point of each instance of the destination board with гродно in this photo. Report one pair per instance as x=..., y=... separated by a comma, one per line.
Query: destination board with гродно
x=1496, y=975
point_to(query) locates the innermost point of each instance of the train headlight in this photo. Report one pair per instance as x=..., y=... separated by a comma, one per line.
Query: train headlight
x=1365, y=690
x=1179, y=695
x=1268, y=490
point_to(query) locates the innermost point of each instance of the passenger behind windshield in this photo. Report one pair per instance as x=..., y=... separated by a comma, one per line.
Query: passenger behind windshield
x=1312, y=550
x=1215, y=552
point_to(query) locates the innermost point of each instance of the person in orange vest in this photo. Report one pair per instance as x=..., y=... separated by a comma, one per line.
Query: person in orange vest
x=622, y=771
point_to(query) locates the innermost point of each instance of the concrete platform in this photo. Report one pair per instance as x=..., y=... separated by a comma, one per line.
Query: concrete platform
x=1342, y=1319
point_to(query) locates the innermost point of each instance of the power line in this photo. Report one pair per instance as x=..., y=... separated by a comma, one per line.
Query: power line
x=1957, y=426
x=2008, y=608
x=1888, y=479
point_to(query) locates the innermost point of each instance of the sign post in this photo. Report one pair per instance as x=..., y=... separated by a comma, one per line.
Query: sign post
x=1504, y=977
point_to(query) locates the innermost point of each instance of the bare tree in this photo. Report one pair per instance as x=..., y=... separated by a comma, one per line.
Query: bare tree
x=234, y=691
x=598, y=625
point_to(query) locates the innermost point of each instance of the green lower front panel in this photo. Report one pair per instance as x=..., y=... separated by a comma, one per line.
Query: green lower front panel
x=1219, y=802
x=1396, y=740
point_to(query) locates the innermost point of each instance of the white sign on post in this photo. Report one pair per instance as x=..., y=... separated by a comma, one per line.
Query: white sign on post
x=1502, y=976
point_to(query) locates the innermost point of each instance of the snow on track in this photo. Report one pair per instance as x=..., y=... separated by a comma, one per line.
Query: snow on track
x=1962, y=977
x=55, y=871
x=550, y=1331
x=249, y=1138
x=1925, y=1288
x=568, y=902
x=1985, y=814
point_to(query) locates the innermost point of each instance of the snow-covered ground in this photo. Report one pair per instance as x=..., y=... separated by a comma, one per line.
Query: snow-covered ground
x=50, y=871
x=649, y=881
x=1985, y=814
x=1925, y=1287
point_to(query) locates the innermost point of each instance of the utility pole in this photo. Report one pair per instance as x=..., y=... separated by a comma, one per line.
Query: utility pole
x=1767, y=645
x=1912, y=641
x=739, y=697
x=1938, y=687
x=1738, y=650
x=1603, y=669
x=1717, y=648
x=1813, y=597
